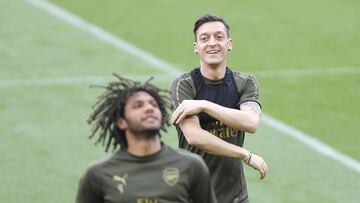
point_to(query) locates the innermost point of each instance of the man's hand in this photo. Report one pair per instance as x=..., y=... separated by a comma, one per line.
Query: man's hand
x=258, y=163
x=187, y=108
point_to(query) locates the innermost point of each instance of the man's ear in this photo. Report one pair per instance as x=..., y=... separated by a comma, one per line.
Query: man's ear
x=121, y=123
x=195, y=48
x=229, y=44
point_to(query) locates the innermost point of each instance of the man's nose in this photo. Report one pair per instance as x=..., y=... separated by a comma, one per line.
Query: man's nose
x=212, y=41
x=149, y=107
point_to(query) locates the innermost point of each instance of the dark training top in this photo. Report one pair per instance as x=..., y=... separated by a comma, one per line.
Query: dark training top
x=169, y=176
x=231, y=91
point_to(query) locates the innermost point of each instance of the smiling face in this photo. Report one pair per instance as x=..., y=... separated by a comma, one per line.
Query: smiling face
x=142, y=116
x=212, y=44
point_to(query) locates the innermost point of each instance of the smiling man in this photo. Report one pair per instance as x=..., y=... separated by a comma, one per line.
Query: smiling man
x=130, y=116
x=215, y=106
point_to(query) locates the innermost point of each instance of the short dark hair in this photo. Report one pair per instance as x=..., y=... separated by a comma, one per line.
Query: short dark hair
x=210, y=18
x=111, y=105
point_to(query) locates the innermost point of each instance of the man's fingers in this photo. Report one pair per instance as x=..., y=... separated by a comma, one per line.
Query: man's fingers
x=258, y=163
x=182, y=115
x=173, y=121
x=175, y=115
x=264, y=169
x=176, y=119
x=180, y=118
x=262, y=173
x=261, y=166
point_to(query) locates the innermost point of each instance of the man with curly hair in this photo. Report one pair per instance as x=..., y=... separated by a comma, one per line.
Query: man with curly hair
x=129, y=116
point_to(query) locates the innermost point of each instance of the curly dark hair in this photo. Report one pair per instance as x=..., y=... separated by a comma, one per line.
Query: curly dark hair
x=110, y=107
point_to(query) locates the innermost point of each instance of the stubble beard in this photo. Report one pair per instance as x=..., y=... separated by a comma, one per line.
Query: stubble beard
x=142, y=132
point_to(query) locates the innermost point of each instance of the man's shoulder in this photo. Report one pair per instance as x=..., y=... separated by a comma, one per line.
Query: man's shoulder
x=242, y=75
x=184, y=77
x=99, y=164
x=243, y=79
x=184, y=82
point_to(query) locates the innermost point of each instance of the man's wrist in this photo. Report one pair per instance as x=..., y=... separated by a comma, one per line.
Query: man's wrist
x=248, y=158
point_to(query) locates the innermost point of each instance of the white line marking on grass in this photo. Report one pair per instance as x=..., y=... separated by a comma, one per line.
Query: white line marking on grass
x=168, y=68
x=311, y=142
x=106, y=36
x=90, y=80
x=308, y=72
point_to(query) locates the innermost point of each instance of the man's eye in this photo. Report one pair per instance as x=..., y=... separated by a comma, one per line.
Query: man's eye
x=203, y=39
x=154, y=104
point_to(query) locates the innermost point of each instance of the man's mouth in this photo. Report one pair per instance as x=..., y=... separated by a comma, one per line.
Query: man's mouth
x=150, y=118
x=212, y=52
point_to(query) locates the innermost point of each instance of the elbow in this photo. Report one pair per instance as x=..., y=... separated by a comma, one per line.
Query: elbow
x=252, y=126
x=194, y=140
x=193, y=132
x=252, y=129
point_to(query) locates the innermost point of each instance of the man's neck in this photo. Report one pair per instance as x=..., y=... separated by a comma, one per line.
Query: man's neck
x=215, y=72
x=143, y=147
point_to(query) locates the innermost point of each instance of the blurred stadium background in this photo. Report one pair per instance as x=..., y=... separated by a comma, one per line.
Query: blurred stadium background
x=304, y=53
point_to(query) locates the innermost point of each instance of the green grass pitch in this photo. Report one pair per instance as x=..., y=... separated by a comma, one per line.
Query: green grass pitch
x=305, y=55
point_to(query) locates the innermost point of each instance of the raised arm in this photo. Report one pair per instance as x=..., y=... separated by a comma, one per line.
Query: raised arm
x=247, y=118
